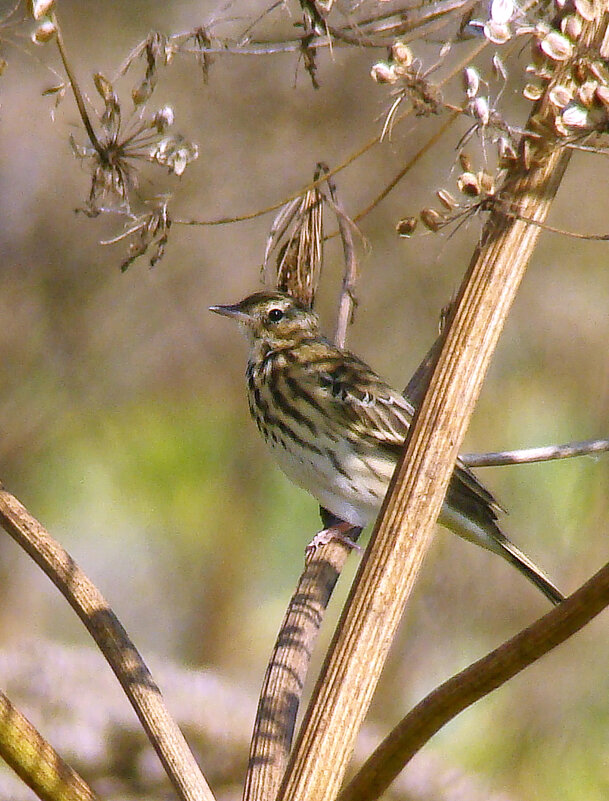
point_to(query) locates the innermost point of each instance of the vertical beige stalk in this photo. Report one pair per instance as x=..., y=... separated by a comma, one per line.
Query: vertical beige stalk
x=403, y=532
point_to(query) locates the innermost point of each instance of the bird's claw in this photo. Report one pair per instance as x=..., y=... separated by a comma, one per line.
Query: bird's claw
x=338, y=532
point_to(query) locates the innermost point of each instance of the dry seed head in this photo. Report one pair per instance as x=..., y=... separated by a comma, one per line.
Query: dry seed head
x=401, y=54
x=383, y=72
x=44, y=32
x=406, y=226
x=447, y=200
x=432, y=219
x=468, y=184
x=41, y=8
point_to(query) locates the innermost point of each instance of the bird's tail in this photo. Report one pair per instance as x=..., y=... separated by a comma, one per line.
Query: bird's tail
x=488, y=534
x=515, y=557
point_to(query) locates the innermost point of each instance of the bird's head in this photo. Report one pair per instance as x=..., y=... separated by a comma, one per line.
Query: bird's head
x=272, y=318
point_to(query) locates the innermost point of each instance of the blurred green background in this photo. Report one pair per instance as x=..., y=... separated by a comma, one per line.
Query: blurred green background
x=124, y=424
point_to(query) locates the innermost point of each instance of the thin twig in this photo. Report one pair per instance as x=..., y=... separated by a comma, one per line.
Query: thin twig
x=112, y=639
x=346, y=301
x=80, y=102
x=473, y=683
x=543, y=454
x=35, y=761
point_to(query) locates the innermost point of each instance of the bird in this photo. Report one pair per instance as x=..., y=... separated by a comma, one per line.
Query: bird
x=336, y=429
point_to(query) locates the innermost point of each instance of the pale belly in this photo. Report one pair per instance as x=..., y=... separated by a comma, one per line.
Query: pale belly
x=354, y=493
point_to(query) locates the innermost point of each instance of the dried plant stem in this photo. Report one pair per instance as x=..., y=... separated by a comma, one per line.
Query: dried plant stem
x=403, y=532
x=286, y=672
x=80, y=101
x=346, y=301
x=473, y=683
x=35, y=762
x=105, y=628
x=546, y=453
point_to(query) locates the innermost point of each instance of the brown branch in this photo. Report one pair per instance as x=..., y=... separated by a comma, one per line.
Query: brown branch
x=473, y=683
x=36, y=763
x=285, y=675
x=107, y=631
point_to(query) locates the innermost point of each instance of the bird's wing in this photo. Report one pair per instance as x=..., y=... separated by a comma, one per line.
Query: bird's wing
x=379, y=415
x=372, y=411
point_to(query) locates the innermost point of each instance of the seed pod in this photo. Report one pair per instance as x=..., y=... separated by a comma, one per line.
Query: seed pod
x=586, y=93
x=497, y=32
x=471, y=81
x=486, y=182
x=532, y=92
x=587, y=9
x=507, y=153
x=431, y=219
x=163, y=119
x=382, y=72
x=406, y=227
x=502, y=11
x=41, y=8
x=465, y=161
x=401, y=53
x=103, y=86
x=468, y=184
x=44, y=32
x=560, y=96
x=480, y=110
x=447, y=200
x=556, y=46
x=602, y=95
x=571, y=26
x=575, y=116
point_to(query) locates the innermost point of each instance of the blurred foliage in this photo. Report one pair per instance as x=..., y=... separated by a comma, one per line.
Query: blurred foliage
x=123, y=415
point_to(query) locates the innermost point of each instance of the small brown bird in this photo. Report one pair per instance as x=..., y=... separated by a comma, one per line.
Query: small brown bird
x=336, y=429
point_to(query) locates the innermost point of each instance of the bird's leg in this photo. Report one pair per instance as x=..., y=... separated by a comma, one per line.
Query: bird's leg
x=339, y=530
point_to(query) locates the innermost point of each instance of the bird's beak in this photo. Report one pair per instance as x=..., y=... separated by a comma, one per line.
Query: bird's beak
x=233, y=311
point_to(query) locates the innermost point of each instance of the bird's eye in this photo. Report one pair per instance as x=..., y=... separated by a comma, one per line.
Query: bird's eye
x=275, y=315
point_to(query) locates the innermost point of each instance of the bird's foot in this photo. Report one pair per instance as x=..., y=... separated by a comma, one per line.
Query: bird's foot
x=339, y=532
